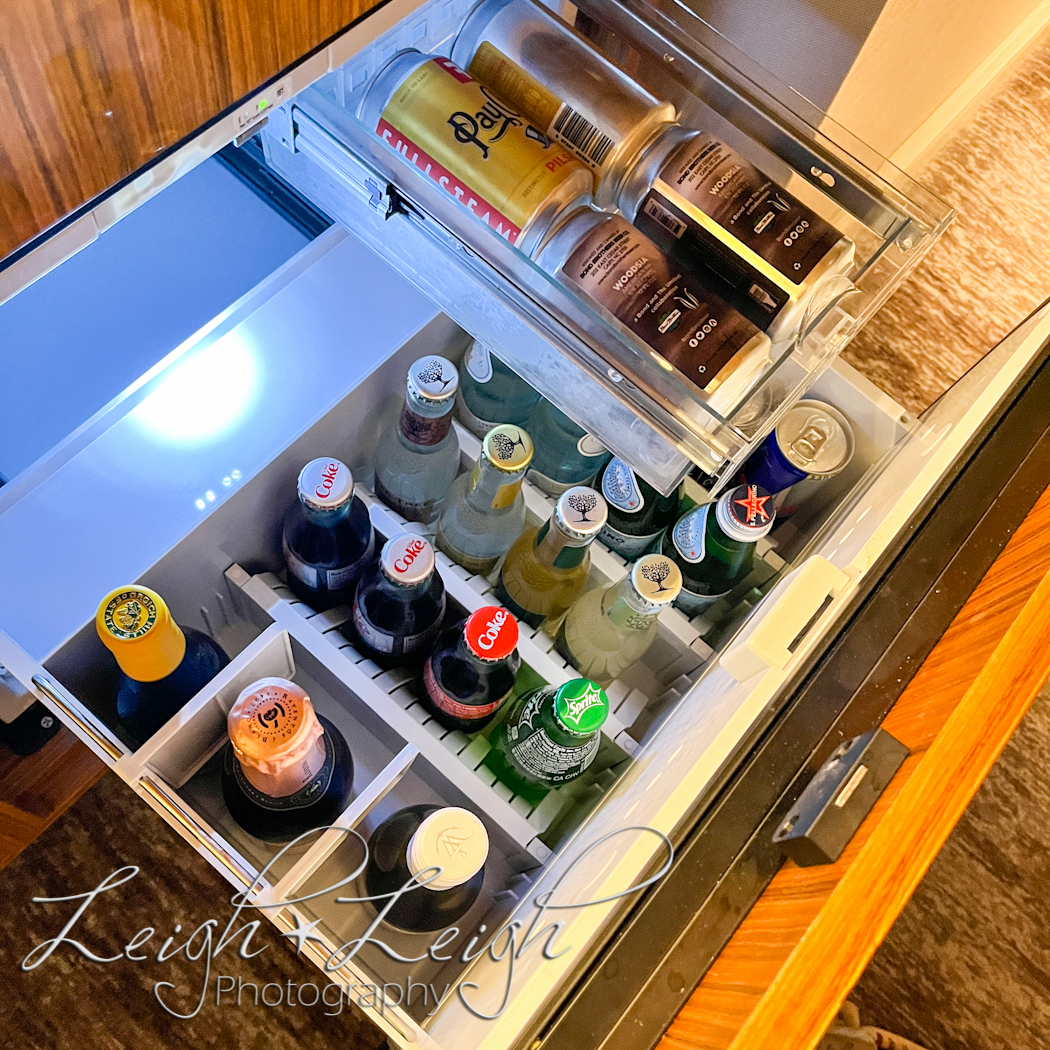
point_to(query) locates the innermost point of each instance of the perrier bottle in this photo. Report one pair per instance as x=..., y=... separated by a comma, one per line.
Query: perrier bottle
x=549, y=737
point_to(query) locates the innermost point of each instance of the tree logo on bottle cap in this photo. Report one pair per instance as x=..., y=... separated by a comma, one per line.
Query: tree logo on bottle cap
x=432, y=376
x=583, y=503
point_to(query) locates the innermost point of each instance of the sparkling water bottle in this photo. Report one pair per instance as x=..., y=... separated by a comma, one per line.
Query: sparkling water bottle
x=566, y=455
x=638, y=514
x=491, y=392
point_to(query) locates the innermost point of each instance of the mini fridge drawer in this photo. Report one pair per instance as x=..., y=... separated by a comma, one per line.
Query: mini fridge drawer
x=312, y=363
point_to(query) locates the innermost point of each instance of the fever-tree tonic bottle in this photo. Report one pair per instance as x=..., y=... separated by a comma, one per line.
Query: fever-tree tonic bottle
x=485, y=510
x=491, y=392
x=549, y=737
x=546, y=569
x=714, y=545
x=638, y=514
x=418, y=456
x=610, y=628
x=162, y=664
x=566, y=455
x=328, y=537
x=399, y=604
x=442, y=848
x=286, y=769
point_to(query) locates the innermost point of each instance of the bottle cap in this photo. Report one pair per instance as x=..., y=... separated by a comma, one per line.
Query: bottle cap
x=581, y=512
x=581, y=706
x=656, y=579
x=135, y=625
x=407, y=559
x=745, y=513
x=433, y=378
x=508, y=448
x=452, y=839
x=491, y=633
x=325, y=483
x=272, y=725
x=815, y=438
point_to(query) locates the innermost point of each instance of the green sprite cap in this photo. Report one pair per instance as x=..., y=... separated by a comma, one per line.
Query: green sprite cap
x=581, y=706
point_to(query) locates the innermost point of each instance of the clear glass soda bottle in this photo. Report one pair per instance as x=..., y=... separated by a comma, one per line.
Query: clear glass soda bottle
x=399, y=604
x=713, y=545
x=638, y=514
x=442, y=848
x=548, y=737
x=566, y=455
x=418, y=455
x=472, y=669
x=491, y=392
x=485, y=510
x=611, y=628
x=328, y=537
x=546, y=570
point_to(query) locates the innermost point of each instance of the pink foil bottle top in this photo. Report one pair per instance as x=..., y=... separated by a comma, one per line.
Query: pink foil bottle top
x=276, y=736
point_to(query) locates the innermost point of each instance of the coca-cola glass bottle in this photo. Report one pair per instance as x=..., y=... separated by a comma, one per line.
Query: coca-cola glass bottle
x=472, y=669
x=399, y=604
x=445, y=847
x=286, y=768
x=328, y=537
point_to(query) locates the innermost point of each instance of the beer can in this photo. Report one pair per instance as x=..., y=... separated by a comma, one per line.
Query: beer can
x=703, y=203
x=813, y=440
x=549, y=72
x=475, y=146
x=688, y=329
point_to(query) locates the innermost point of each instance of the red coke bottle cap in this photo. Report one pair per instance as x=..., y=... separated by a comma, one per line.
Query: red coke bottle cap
x=491, y=633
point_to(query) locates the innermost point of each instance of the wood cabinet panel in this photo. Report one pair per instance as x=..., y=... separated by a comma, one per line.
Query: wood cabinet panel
x=91, y=90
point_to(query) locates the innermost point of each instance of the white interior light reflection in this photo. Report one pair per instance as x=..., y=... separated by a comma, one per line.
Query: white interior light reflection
x=203, y=397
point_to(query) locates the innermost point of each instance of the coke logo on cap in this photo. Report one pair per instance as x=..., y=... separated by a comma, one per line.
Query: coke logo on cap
x=328, y=475
x=413, y=549
x=492, y=632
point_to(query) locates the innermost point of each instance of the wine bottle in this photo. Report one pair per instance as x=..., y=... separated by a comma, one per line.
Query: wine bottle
x=548, y=737
x=286, y=769
x=162, y=664
x=399, y=604
x=610, y=628
x=485, y=510
x=566, y=455
x=491, y=392
x=715, y=551
x=638, y=514
x=327, y=537
x=472, y=669
x=445, y=848
x=546, y=570
x=418, y=455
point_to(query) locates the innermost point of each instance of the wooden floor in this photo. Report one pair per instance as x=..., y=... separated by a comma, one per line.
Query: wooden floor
x=779, y=982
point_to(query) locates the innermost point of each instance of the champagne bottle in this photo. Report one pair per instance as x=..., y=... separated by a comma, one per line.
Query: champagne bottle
x=162, y=664
x=418, y=455
x=715, y=551
x=491, y=392
x=611, y=628
x=485, y=510
x=286, y=769
x=327, y=537
x=416, y=842
x=549, y=737
x=546, y=570
x=638, y=514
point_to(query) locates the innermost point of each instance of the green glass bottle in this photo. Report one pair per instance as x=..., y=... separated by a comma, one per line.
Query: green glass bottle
x=491, y=392
x=548, y=737
x=714, y=551
x=638, y=514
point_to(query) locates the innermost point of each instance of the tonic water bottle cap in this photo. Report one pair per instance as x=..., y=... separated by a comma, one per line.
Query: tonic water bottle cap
x=508, y=448
x=135, y=625
x=326, y=483
x=581, y=512
x=452, y=839
x=407, y=559
x=656, y=579
x=491, y=633
x=272, y=725
x=433, y=378
x=745, y=513
x=581, y=706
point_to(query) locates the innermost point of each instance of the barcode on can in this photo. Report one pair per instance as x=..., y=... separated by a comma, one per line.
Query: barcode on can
x=669, y=221
x=575, y=130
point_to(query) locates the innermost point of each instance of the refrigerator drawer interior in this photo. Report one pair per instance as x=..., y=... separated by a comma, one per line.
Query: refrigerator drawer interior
x=591, y=366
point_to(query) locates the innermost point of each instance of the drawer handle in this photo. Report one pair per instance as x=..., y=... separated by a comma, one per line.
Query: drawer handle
x=65, y=706
x=190, y=824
